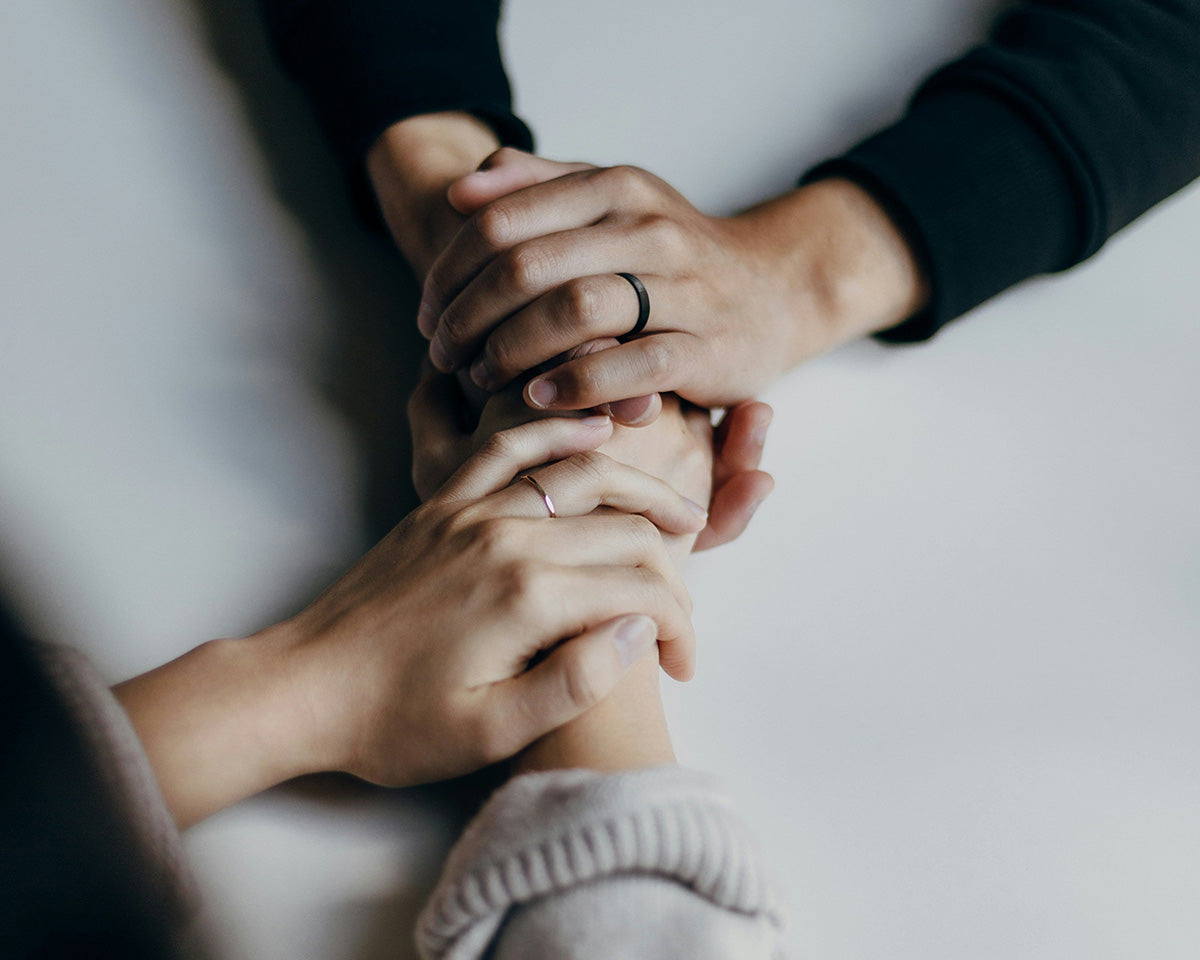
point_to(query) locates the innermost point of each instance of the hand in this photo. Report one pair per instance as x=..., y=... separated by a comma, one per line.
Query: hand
x=438, y=410
x=410, y=166
x=734, y=301
x=443, y=649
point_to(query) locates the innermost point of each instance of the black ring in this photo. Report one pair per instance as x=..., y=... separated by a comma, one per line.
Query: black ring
x=643, y=306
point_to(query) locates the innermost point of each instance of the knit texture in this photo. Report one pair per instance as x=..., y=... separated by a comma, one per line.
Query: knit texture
x=544, y=837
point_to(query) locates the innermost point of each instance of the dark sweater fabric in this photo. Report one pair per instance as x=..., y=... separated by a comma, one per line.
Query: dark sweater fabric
x=1020, y=158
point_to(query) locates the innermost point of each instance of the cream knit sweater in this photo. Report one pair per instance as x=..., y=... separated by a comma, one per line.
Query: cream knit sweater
x=570, y=865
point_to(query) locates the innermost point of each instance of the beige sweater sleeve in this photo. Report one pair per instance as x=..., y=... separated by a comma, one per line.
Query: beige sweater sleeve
x=576, y=865
x=131, y=785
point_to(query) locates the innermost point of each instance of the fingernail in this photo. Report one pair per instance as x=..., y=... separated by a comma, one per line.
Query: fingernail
x=594, y=423
x=698, y=510
x=631, y=411
x=439, y=356
x=633, y=638
x=426, y=320
x=542, y=392
x=481, y=373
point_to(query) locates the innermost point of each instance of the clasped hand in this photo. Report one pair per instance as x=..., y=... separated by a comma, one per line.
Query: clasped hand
x=533, y=273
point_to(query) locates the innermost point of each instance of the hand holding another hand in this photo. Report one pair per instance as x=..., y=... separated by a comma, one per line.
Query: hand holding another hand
x=472, y=629
x=734, y=301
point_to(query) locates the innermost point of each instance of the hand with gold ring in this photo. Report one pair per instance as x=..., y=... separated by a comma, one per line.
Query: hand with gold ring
x=472, y=629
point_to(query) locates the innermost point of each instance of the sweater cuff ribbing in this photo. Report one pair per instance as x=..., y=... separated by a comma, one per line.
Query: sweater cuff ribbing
x=980, y=193
x=546, y=833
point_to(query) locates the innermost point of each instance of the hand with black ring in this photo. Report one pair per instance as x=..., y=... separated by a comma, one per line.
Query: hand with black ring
x=734, y=302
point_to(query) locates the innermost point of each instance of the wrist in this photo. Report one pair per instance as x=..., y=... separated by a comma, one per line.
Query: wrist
x=411, y=165
x=223, y=722
x=625, y=731
x=844, y=267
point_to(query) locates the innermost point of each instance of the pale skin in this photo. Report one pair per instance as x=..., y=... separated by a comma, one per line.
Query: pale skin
x=413, y=167
x=628, y=729
x=442, y=650
x=528, y=272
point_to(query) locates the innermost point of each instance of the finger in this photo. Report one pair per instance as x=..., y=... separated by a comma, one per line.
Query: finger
x=570, y=600
x=504, y=171
x=613, y=539
x=574, y=312
x=636, y=411
x=739, y=439
x=509, y=452
x=566, y=202
x=655, y=364
x=576, y=676
x=579, y=484
x=526, y=271
x=733, y=505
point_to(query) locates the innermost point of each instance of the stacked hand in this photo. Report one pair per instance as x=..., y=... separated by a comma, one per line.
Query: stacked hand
x=734, y=301
x=533, y=273
x=473, y=628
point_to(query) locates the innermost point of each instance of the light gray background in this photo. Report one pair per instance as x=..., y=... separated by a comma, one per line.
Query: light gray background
x=952, y=670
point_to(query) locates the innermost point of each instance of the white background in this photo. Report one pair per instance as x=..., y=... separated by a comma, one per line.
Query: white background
x=952, y=671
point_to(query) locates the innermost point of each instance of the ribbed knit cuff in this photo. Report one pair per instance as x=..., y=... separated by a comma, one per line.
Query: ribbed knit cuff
x=546, y=833
x=978, y=190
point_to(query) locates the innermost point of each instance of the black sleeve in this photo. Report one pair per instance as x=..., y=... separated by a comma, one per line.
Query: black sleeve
x=365, y=64
x=1025, y=155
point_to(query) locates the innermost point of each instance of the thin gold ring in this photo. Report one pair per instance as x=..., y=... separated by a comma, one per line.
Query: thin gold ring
x=541, y=493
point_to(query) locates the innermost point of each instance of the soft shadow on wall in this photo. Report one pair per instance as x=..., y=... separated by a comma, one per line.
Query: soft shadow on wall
x=372, y=360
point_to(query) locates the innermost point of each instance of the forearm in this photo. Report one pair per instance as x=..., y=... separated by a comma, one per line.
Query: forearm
x=221, y=723
x=843, y=267
x=410, y=166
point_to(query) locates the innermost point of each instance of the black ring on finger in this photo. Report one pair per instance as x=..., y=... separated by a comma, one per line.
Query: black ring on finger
x=643, y=306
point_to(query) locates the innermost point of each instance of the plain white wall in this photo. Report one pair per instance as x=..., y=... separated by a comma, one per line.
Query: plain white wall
x=951, y=672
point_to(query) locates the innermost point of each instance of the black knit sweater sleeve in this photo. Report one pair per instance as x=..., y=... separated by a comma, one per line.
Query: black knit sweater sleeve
x=366, y=64
x=1026, y=154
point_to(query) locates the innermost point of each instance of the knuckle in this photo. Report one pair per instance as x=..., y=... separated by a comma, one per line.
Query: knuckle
x=458, y=524
x=592, y=465
x=499, y=446
x=500, y=157
x=496, y=226
x=658, y=360
x=502, y=352
x=585, y=381
x=583, y=301
x=521, y=585
x=647, y=536
x=630, y=183
x=524, y=268
x=493, y=537
x=665, y=234
x=454, y=323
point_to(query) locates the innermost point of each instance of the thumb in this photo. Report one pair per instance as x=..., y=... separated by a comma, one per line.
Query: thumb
x=577, y=675
x=501, y=173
